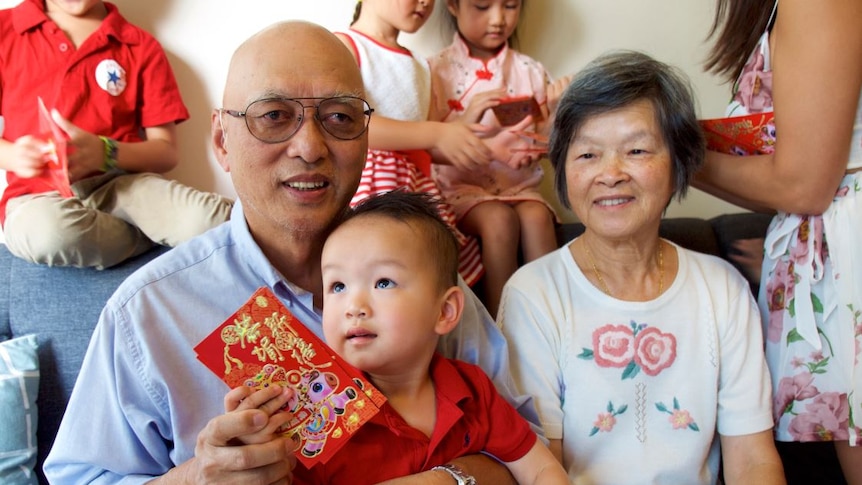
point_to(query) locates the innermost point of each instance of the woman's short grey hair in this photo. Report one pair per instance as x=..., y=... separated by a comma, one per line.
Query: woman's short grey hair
x=615, y=80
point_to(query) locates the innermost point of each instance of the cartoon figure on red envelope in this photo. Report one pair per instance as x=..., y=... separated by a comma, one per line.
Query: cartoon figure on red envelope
x=262, y=344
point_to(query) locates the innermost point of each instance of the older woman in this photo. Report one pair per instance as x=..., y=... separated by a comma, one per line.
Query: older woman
x=642, y=356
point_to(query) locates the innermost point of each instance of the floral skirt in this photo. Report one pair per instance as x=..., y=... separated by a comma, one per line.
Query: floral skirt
x=811, y=303
x=386, y=171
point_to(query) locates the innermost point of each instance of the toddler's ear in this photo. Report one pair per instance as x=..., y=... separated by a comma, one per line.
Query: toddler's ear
x=451, y=307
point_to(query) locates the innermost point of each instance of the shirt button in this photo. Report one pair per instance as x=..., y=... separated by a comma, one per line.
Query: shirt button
x=64, y=47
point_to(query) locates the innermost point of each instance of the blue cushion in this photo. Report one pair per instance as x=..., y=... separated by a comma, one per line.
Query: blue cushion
x=19, y=386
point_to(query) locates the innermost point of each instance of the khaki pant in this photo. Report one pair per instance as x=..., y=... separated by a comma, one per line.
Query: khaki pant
x=111, y=218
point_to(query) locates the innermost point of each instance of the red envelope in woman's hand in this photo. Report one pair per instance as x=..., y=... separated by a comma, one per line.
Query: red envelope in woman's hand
x=741, y=135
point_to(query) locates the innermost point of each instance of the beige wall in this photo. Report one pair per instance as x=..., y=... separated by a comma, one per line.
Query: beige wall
x=199, y=36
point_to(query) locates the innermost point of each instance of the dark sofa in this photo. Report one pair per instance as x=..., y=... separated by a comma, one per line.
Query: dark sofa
x=62, y=305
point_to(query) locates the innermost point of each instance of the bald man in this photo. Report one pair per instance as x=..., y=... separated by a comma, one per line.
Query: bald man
x=144, y=407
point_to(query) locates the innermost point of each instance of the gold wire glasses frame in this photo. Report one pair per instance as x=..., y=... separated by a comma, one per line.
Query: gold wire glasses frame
x=276, y=119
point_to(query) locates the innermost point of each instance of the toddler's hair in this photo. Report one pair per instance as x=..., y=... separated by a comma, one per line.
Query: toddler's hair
x=453, y=23
x=419, y=210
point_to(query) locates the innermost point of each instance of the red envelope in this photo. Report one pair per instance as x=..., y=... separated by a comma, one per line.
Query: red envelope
x=512, y=110
x=57, y=167
x=741, y=135
x=263, y=344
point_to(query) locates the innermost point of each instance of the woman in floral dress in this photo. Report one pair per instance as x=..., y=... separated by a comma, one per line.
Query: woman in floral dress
x=802, y=61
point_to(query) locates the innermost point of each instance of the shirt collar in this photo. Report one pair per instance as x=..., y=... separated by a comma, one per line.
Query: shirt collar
x=31, y=14
x=462, y=47
x=258, y=261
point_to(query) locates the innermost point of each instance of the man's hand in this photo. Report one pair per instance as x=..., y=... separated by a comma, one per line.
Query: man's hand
x=241, y=446
x=270, y=400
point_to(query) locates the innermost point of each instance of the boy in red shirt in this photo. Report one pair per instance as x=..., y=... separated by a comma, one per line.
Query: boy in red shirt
x=114, y=95
x=390, y=291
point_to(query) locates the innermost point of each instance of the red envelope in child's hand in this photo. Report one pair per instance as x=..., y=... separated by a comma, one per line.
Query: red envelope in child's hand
x=263, y=344
x=741, y=135
x=57, y=163
x=512, y=110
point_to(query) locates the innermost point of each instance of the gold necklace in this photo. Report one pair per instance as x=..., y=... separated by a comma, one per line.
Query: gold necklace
x=602, y=280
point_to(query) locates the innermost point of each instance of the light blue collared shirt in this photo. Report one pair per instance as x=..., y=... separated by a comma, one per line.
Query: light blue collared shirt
x=142, y=396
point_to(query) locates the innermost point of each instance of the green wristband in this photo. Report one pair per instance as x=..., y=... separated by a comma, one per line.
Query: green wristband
x=110, y=161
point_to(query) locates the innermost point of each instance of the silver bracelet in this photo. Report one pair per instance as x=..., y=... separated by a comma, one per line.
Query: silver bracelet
x=461, y=478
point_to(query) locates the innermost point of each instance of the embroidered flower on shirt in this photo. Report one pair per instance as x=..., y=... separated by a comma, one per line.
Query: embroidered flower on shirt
x=606, y=420
x=679, y=418
x=454, y=105
x=635, y=347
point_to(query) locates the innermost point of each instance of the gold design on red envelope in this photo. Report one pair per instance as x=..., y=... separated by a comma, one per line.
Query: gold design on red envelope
x=263, y=344
x=741, y=135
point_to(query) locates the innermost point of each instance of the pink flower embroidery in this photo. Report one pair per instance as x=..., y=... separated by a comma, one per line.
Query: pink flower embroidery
x=790, y=389
x=680, y=419
x=613, y=345
x=635, y=348
x=654, y=350
x=605, y=422
x=825, y=418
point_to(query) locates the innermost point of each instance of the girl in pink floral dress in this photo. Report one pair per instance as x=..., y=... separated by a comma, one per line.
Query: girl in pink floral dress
x=500, y=202
x=806, y=66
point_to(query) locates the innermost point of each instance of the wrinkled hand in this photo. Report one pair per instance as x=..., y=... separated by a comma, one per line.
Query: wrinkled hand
x=555, y=92
x=86, y=152
x=459, y=144
x=29, y=156
x=270, y=400
x=481, y=103
x=221, y=458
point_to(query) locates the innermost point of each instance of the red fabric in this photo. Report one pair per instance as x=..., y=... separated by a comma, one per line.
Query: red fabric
x=37, y=59
x=471, y=418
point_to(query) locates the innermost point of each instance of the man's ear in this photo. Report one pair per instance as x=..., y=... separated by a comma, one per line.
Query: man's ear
x=451, y=307
x=219, y=139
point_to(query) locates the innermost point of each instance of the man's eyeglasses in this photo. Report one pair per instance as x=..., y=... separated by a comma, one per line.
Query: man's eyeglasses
x=274, y=120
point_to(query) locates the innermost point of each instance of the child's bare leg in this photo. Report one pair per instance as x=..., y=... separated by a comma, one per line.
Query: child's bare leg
x=538, y=236
x=496, y=225
x=850, y=458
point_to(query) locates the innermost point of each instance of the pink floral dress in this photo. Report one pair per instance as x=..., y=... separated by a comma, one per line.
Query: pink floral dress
x=811, y=294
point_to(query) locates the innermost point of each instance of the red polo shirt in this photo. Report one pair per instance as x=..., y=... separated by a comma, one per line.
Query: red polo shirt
x=116, y=84
x=471, y=418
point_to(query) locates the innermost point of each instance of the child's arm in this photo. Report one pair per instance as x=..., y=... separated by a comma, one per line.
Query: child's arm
x=554, y=91
x=157, y=154
x=538, y=466
x=454, y=142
